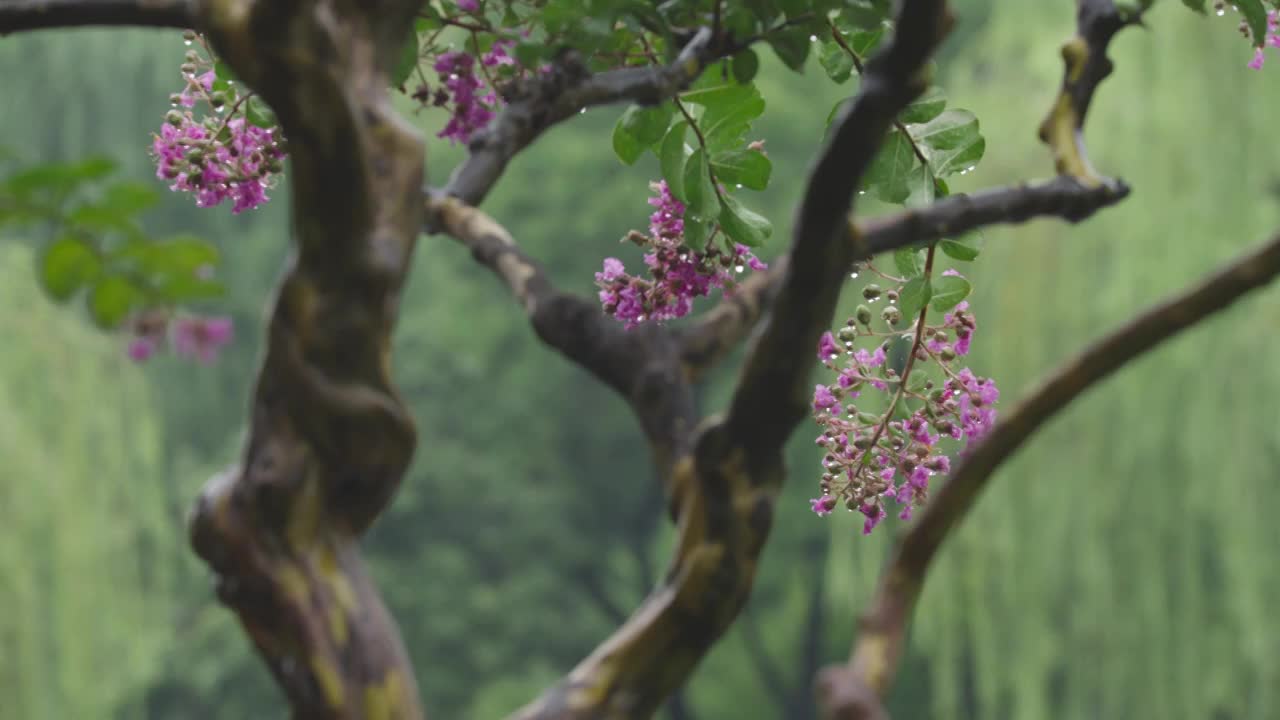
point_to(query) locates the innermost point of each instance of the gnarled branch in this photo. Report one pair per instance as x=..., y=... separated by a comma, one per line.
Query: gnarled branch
x=882, y=635
x=329, y=438
x=640, y=364
x=23, y=15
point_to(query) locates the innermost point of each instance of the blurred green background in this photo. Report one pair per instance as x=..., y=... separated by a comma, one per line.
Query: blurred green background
x=1123, y=566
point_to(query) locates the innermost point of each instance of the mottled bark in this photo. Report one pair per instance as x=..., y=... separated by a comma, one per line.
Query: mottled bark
x=329, y=439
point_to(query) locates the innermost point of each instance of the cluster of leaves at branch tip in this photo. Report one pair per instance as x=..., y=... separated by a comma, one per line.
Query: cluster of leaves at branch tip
x=97, y=250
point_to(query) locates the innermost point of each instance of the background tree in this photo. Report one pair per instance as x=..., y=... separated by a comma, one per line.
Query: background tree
x=507, y=491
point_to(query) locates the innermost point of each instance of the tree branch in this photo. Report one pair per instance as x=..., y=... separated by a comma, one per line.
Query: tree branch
x=1087, y=65
x=640, y=364
x=23, y=15
x=329, y=438
x=882, y=638
x=1063, y=197
x=545, y=100
x=772, y=393
x=717, y=332
x=724, y=491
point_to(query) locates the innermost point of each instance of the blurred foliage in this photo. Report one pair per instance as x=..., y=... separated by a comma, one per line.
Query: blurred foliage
x=1119, y=567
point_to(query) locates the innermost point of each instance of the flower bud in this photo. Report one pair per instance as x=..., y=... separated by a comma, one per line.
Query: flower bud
x=863, y=313
x=188, y=69
x=868, y=418
x=189, y=35
x=892, y=315
x=853, y=502
x=847, y=334
x=947, y=354
x=191, y=56
x=892, y=296
x=173, y=117
x=218, y=99
x=871, y=292
x=862, y=442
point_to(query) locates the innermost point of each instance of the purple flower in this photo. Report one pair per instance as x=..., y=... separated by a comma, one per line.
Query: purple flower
x=141, y=349
x=874, y=513
x=1258, y=57
x=827, y=348
x=677, y=274
x=201, y=338
x=470, y=112
x=240, y=167
x=468, y=5
x=822, y=506
x=824, y=400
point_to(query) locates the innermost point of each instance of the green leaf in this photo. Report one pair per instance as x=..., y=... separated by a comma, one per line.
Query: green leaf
x=836, y=61
x=625, y=145
x=926, y=107
x=130, y=196
x=638, y=129
x=406, y=60
x=530, y=54
x=1256, y=16
x=223, y=71
x=748, y=168
x=99, y=217
x=67, y=265
x=258, y=113
x=745, y=66
x=909, y=261
x=743, y=225
x=111, y=300
x=791, y=47
x=951, y=142
x=188, y=288
x=962, y=249
x=184, y=254
x=696, y=232
x=913, y=297
x=948, y=291
x=922, y=187
x=700, y=194
x=887, y=176
x=59, y=177
x=729, y=109
x=671, y=159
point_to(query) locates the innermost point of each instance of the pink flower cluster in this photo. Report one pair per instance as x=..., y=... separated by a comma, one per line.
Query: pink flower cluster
x=874, y=458
x=473, y=106
x=194, y=337
x=217, y=158
x=1272, y=40
x=678, y=274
